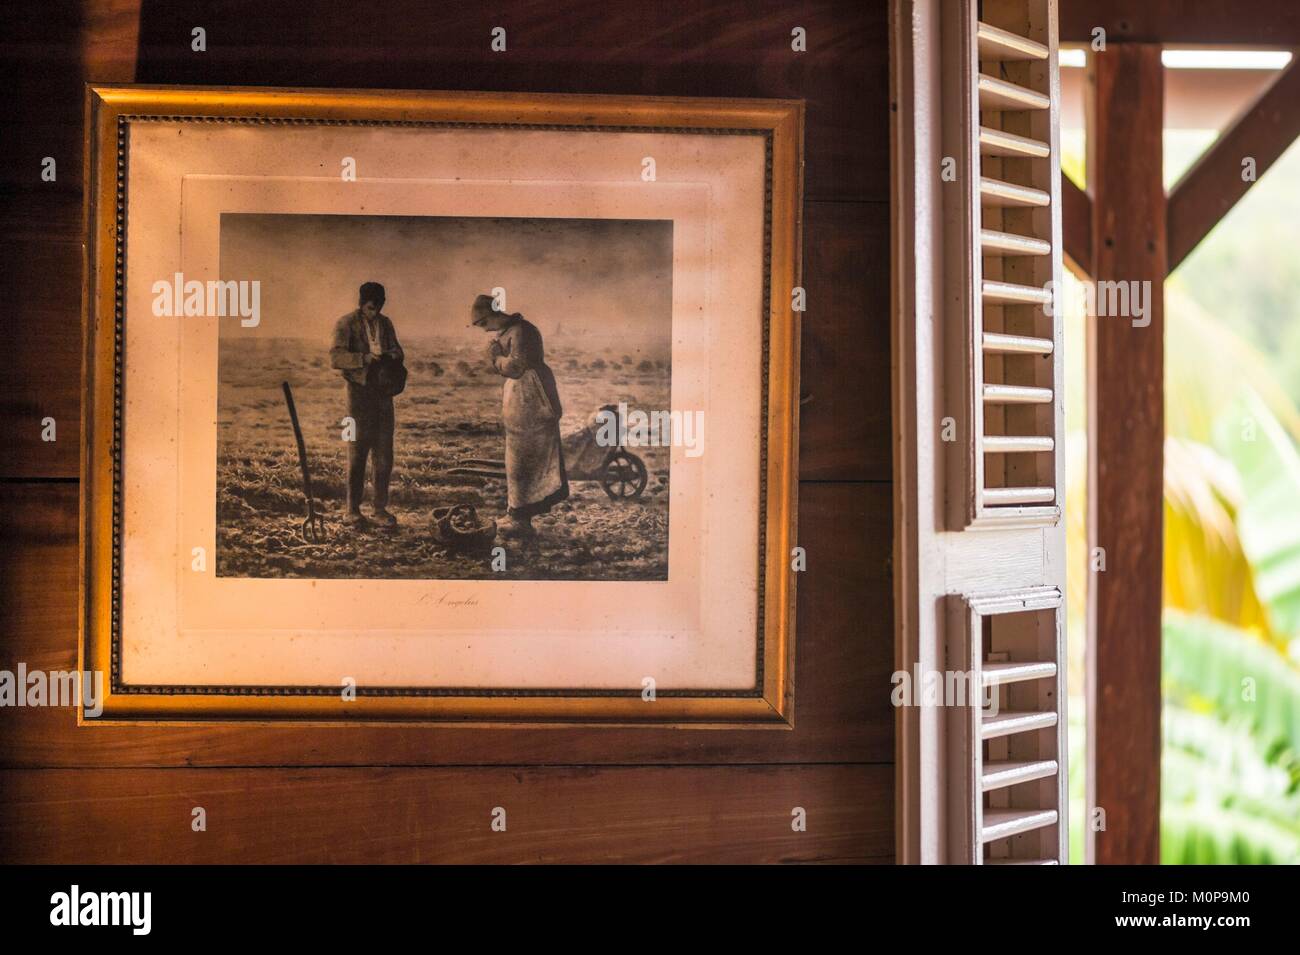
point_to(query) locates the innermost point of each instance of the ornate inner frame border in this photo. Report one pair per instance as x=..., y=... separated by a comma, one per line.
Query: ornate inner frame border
x=109, y=113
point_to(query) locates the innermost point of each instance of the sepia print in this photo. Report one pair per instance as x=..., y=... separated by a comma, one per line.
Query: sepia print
x=475, y=418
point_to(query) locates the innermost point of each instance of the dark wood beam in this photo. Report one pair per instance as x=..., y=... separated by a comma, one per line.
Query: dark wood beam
x=1258, y=23
x=1208, y=190
x=1125, y=457
x=1076, y=228
x=110, y=40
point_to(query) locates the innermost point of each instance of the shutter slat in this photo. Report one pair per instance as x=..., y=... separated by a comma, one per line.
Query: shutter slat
x=1002, y=496
x=1017, y=395
x=998, y=44
x=1008, y=293
x=1003, y=96
x=1024, y=444
x=997, y=142
x=1001, y=823
x=1008, y=722
x=998, y=674
x=1001, y=773
x=997, y=343
x=1008, y=243
x=1000, y=194
x=1021, y=862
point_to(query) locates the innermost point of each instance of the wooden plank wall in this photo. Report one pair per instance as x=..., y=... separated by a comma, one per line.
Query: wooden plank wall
x=410, y=793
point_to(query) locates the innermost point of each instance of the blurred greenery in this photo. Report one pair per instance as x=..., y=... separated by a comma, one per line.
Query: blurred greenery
x=1246, y=273
x=1269, y=511
x=1231, y=646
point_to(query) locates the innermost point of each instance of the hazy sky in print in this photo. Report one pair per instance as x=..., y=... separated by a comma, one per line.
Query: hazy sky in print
x=577, y=279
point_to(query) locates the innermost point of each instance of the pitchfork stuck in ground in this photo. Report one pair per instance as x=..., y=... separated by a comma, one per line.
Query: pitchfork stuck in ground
x=313, y=526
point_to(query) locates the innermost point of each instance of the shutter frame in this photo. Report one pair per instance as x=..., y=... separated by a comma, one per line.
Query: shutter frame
x=955, y=561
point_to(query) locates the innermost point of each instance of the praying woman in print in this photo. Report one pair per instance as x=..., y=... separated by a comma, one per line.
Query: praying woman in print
x=530, y=410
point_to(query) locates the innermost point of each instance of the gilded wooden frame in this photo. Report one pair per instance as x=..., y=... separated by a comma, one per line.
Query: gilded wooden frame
x=109, y=110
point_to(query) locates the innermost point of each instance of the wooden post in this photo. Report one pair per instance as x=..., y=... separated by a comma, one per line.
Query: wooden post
x=1125, y=455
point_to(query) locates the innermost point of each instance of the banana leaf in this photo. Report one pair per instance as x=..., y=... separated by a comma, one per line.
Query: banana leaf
x=1268, y=514
x=1209, y=665
x=1238, y=771
x=1205, y=568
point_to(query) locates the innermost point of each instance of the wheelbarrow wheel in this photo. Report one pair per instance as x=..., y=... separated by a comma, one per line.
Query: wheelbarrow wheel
x=624, y=476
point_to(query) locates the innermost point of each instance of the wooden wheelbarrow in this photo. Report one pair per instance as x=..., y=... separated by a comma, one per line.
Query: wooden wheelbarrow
x=621, y=473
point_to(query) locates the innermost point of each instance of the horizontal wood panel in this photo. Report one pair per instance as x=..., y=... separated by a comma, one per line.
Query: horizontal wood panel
x=1218, y=22
x=42, y=68
x=716, y=814
x=844, y=422
x=41, y=271
x=45, y=217
x=45, y=59
x=56, y=132
x=734, y=48
x=842, y=712
x=43, y=382
x=738, y=48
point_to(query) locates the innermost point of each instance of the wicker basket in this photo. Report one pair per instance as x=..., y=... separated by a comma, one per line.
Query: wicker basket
x=460, y=528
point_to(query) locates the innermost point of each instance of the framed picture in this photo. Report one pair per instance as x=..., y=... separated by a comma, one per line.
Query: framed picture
x=441, y=406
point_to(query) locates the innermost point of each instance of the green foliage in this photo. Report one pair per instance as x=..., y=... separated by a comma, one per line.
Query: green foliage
x=1230, y=776
x=1246, y=272
x=1212, y=666
x=1268, y=518
x=1209, y=835
x=1231, y=755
